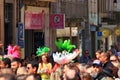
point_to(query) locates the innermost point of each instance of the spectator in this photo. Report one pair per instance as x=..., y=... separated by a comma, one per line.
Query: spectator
x=110, y=52
x=5, y=63
x=32, y=67
x=15, y=64
x=71, y=72
x=97, y=54
x=6, y=71
x=107, y=65
x=114, y=51
x=114, y=61
x=85, y=58
x=21, y=71
x=7, y=77
x=97, y=73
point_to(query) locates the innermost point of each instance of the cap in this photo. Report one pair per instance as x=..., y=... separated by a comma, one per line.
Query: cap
x=97, y=63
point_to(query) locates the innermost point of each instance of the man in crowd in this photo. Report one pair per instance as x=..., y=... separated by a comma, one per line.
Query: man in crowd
x=71, y=72
x=32, y=67
x=108, y=67
x=97, y=73
x=15, y=64
x=85, y=58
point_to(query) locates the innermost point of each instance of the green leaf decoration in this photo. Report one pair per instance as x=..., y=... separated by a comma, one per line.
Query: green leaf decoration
x=59, y=44
x=64, y=45
x=41, y=51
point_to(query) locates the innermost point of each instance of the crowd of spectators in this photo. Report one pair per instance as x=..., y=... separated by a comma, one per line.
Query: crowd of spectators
x=105, y=66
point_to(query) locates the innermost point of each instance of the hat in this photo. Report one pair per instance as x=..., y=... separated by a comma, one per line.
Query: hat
x=97, y=63
x=118, y=53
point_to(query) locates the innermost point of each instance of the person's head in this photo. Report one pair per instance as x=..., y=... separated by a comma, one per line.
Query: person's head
x=110, y=52
x=72, y=75
x=32, y=67
x=97, y=68
x=6, y=71
x=86, y=53
x=33, y=77
x=97, y=54
x=71, y=72
x=44, y=58
x=33, y=57
x=21, y=71
x=5, y=63
x=71, y=66
x=114, y=60
x=7, y=77
x=104, y=57
x=15, y=64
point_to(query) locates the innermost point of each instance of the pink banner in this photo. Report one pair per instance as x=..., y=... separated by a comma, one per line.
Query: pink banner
x=33, y=20
x=57, y=21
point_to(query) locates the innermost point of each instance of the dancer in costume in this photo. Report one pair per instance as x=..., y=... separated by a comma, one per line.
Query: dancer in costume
x=45, y=67
x=63, y=56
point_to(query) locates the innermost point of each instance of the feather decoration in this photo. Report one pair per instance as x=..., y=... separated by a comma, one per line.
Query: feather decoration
x=64, y=45
x=59, y=44
x=13, y=51
x=41, y=51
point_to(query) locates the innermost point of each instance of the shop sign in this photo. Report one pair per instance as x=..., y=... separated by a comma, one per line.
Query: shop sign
x=33, y=20
x=57, y=21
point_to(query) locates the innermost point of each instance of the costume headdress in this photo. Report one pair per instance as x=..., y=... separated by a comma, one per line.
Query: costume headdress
x=41, y=51
x=64, y=45
x=65, y=55
x=13, y=51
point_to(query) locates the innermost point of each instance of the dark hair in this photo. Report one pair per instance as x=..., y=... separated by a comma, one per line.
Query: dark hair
x=33, y=63
x=7, y=61
x=18, y=60
x=107, y=55
x=8, y=76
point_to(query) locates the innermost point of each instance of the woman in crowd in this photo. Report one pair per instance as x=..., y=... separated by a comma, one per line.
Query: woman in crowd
x=45, y=67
